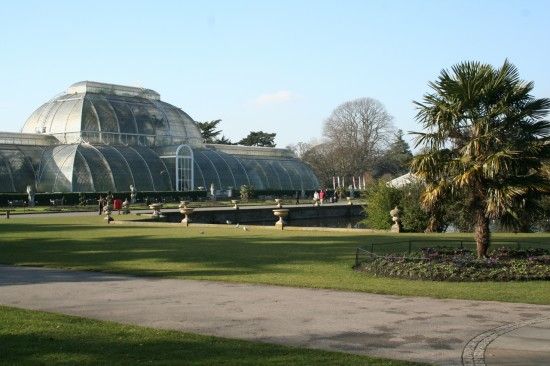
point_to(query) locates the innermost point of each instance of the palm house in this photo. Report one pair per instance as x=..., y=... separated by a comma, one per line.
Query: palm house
x=97, y=137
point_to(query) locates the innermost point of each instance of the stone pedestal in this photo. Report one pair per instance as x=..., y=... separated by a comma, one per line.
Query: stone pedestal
x=125, y=207
x=235, y=204
x=156, y=210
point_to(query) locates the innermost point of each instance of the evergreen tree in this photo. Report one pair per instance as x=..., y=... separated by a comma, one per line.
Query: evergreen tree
x=259, y=138
x=208, y=131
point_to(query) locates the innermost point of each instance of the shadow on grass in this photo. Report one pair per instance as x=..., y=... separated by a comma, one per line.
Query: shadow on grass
x=28, y=337
x=177, y=257
x=43, y=228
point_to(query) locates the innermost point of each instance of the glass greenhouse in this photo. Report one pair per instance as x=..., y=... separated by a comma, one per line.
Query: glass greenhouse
x=98, y=137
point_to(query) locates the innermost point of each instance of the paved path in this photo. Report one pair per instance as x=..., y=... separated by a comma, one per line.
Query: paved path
x=410, y=328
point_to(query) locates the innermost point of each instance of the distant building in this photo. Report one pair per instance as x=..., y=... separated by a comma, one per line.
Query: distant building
x=97, y=137
x=403, y=180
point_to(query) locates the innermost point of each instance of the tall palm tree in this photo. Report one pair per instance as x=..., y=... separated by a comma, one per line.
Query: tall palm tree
x=485, y=138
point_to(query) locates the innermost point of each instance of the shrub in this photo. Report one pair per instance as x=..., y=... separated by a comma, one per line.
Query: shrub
x=247, y=192
x=413, y=217
x=381, y=199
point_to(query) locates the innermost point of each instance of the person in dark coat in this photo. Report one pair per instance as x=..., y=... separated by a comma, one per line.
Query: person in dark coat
x=100, y=205
x=297, y=196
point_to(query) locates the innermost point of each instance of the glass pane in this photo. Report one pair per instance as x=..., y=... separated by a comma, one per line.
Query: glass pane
x=159, y=172
x=99, y=169
x=118, y=167
x=140, y=170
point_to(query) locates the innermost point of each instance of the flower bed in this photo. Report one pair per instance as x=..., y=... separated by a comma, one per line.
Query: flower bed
x=449, y=264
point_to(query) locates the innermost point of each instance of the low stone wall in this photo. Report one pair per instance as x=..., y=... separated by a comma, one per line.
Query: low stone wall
x=249, y=215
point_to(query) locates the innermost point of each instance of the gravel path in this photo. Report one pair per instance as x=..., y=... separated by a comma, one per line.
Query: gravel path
x=411, y=328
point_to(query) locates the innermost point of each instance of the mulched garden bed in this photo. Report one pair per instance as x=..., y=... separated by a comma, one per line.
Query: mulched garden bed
x=461, y=265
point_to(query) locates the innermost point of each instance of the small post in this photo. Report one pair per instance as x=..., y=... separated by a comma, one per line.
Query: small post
x=7, y=214
x=461, y=245
x=372, y=247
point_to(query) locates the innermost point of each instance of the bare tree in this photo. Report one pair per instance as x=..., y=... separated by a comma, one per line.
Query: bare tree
x=300, y=148
x=358, y=131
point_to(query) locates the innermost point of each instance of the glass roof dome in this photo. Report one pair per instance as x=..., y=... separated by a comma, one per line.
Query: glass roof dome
x=113, y=114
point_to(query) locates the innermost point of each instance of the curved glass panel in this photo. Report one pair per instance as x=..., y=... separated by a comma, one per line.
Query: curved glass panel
x=222, y=169
x=237, y=169
x=100, y=171
x=143, y=120
x=295, y=177
x=6, y=182
x=82, y=175
x=125, y=118
x=208, y=169
x=107, y=117
x=118, y=167
x=159, y=172
x=200, y=181
x=64, y=114
x=17, y=171
x=56, y=169
x=140, y=171
x=256, y=173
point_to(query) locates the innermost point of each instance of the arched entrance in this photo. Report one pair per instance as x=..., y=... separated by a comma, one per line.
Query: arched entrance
x=184, y=168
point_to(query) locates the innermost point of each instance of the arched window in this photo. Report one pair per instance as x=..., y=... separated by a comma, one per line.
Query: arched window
x=184, y=168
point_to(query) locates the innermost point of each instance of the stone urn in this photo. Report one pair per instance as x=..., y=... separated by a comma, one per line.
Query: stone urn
x=183, y=204
x=125, y=207
x=278, y=202
x=316, y=202
x=108, y=210
x=186, y=211
x=156, y=210
x=395, y=216
x=235, y=204
x=349, y=201
x=281, y=213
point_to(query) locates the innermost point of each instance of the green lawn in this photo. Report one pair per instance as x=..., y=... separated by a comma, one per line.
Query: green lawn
x=290, y=258
x=39, y=338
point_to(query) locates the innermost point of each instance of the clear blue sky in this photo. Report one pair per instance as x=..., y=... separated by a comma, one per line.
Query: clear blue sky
x=277, y=66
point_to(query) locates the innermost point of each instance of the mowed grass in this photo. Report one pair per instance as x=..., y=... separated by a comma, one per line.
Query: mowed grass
x=39, y=338
x=317, y=259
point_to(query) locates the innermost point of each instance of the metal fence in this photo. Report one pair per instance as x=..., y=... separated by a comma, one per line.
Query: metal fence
x=406, y=247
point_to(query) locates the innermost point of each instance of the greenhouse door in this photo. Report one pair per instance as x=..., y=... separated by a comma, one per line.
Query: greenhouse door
x=184, y=168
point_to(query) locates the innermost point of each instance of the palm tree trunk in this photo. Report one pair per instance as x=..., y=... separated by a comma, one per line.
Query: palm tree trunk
x=432, y=225
x=482, y=233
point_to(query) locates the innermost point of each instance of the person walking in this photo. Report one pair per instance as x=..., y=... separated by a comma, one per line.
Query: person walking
x=297, y=195
x=100, y=205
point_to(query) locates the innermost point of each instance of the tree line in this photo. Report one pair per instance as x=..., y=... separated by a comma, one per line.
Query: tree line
x=211, y=135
